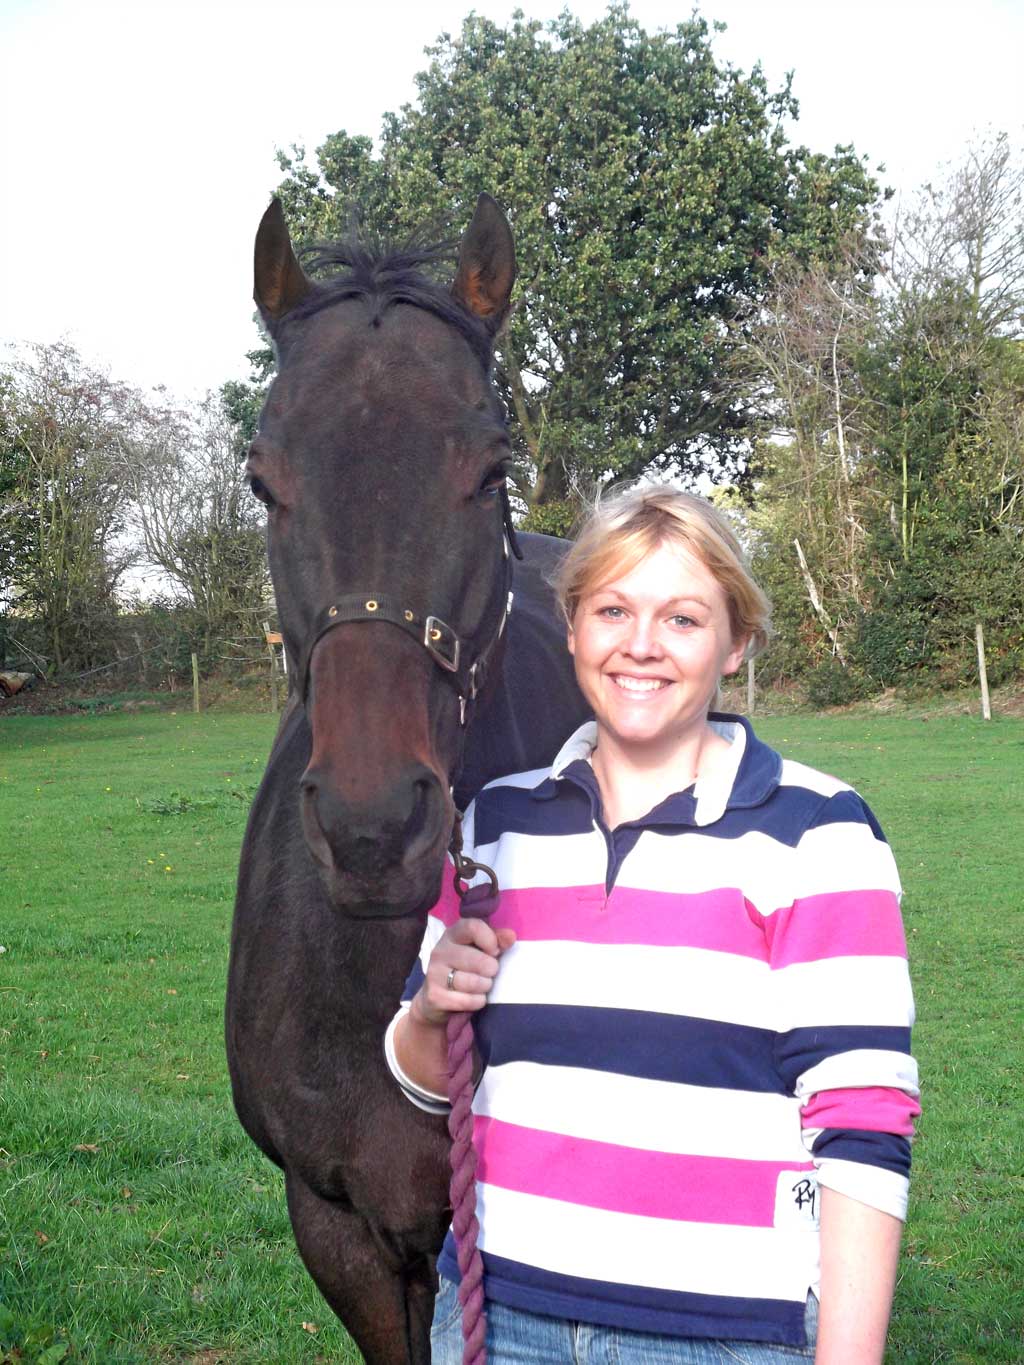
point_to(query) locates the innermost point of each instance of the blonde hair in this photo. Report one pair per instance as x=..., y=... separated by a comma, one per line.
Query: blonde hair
x=623, y=527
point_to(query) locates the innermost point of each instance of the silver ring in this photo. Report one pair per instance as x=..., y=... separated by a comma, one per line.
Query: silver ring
x=451, y=977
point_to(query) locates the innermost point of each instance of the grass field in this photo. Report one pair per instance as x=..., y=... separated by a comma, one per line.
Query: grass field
x=138, y=1224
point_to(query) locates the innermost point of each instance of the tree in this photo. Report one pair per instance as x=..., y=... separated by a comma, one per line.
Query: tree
x=198, y=522
x=966, y=231
x=805, y=341
x=14, y=509
x=901, y=462
x=69, y=430
x=648, y=185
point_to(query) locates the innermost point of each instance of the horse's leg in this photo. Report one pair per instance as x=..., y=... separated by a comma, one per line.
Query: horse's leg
x=386, y=1308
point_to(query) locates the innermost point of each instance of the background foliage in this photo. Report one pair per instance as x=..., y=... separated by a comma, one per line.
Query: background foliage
x=699, y=299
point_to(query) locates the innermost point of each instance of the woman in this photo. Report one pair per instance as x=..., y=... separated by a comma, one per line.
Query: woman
x=696, y=1093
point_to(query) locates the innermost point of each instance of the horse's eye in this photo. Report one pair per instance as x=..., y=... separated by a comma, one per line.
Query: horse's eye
x=495, y=479
x=261, y=491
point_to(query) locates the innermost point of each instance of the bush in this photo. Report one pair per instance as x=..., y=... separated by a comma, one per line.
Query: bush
x=832, y=683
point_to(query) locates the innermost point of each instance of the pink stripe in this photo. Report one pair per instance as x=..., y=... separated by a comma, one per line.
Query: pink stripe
x=602, y=1175
x=875, y=1109
x=838, y=924
x=719, y=920
x=447, y=907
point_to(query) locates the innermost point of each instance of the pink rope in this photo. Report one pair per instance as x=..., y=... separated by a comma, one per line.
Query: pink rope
x=475, y=902
x=463, y=1189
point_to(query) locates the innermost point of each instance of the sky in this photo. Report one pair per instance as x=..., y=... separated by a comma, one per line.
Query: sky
x=137, y=139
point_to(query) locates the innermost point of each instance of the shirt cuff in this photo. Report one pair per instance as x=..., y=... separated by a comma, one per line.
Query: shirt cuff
x=416, y=1094
x=871, y=1185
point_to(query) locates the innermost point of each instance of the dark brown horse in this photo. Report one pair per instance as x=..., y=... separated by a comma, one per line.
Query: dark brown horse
x=381, y=457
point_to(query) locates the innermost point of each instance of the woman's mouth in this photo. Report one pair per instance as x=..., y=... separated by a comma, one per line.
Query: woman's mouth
x=638, y=687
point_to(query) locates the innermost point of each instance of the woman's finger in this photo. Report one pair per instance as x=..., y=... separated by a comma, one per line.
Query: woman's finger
x=466, y=982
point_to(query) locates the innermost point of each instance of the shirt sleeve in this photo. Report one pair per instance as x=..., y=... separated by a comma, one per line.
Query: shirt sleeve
x=445, y=912
x=845, y=1006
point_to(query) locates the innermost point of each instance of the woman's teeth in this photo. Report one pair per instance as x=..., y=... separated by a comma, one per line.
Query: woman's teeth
x=640, y=684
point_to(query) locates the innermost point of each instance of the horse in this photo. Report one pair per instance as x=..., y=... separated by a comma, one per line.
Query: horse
x=382, y=456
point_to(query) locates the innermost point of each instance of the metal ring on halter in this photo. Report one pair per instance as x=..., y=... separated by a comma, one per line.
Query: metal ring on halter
x=451, y=977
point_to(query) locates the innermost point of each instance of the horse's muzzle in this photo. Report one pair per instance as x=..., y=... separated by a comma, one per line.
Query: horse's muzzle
x=378, y=860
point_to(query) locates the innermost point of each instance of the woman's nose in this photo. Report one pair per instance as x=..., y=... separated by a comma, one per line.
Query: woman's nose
x=642, y=641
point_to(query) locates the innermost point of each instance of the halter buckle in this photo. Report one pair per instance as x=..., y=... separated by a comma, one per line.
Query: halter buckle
x=441, y=643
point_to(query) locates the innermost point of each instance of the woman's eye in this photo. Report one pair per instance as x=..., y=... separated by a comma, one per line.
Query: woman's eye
x=495, y=479
x=260, y=491
x=683, y=621
x=610, y=613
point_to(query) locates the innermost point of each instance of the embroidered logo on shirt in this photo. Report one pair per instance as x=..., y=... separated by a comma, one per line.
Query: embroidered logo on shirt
x=796, y=1200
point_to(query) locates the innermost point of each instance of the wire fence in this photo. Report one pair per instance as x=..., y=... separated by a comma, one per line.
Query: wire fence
x=172, y=662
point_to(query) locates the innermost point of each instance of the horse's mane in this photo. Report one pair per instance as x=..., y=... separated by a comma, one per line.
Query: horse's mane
x=386, y=275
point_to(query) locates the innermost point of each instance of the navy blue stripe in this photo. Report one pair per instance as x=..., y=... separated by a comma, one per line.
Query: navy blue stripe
x=847, y=807
x=415, y=981
x=634, y=1307
x=888, y=1150
x=655, y=1047
x=785, y=816
x=513, y=810
x=801, y=1048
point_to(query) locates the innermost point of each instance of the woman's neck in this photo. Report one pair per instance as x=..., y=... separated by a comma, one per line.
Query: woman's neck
x=633, y=781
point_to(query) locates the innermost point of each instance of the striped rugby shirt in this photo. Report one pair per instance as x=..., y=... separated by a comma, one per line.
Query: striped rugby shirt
x=705, y=1017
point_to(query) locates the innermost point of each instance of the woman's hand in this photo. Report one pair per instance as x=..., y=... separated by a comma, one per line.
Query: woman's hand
x=466, y=956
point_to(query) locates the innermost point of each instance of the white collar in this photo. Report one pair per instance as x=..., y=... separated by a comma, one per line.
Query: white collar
x=711, y=793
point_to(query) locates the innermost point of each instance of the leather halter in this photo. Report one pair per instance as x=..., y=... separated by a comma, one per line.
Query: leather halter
x=442, y=643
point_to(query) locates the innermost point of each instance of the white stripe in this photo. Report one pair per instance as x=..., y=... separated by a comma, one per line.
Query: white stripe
x=653, y=1116
x=531, y=860
x=659, y=1253
x=799, y=775
x=627, y=976
x=758, y=865
x=844, y=857
x=871, y=1185
x=860, y=1067
x=844, y=990
x=433, y=931
x=533, y=778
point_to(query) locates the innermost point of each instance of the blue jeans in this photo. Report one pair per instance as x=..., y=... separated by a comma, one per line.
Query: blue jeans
x=518, y=1338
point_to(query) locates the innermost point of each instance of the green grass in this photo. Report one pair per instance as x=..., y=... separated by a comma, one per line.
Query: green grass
x=138, y=1224
x=137, y=1221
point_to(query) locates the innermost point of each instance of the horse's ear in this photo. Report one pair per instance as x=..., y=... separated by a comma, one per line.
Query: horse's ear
x=280, y=282
x=487, y=265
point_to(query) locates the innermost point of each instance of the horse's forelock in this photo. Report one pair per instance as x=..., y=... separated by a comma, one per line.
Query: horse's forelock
x=387, y=276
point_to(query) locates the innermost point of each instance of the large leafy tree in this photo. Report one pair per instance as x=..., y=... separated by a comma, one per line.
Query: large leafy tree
x=649, y=186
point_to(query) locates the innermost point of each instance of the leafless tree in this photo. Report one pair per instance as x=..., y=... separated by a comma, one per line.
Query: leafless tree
x=804, y=344
x=968, y=229
x=197, y=521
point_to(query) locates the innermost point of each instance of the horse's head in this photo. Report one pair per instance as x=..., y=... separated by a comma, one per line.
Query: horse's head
x=381, y=457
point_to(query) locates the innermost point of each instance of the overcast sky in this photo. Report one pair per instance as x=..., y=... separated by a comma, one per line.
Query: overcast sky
x=137, y=139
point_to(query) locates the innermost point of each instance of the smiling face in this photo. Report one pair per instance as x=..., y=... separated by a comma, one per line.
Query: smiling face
x=650, y=646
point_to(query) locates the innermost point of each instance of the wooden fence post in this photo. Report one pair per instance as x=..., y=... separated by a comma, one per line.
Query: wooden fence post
x=267, y=633
x=979, y=637
x=195, y=682
x=750, y=687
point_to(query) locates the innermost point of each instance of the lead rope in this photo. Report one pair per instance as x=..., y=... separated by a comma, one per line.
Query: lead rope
x=475, y=902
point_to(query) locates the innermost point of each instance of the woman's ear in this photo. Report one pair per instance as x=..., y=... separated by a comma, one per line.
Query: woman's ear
x=570, y=639
x=737, y=656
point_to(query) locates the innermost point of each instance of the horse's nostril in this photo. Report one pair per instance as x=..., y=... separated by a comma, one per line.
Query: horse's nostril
x=424, y=823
